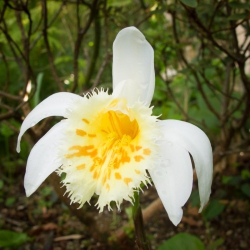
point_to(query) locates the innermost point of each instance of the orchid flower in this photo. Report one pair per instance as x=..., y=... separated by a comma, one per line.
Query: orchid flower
x=108, y=144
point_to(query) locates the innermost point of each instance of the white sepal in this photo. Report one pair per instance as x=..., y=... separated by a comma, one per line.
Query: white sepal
x=195, y=141
x=133, y=62
x=43, y=158
x=54, y=105
x=173, y=178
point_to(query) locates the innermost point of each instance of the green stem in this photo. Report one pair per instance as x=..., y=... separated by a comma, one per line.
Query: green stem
x=141, y=239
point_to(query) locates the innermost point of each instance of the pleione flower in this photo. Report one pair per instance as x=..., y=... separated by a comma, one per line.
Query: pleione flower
x=109, y=145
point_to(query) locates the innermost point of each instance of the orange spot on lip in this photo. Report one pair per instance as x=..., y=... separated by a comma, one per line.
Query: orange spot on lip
x=132, y=147
x=118, y=176
x=138, y=158
x=124, y=157
x=104, y=179
x=137, y=171
x=91, y=135
x=137, y=148
x=127, y=180
x=85, y=120
x=146, y=151
x=80, y=167
x=92, y=168
x=97, y=162
x=83, y=151
x=108, y=187
x=96, y=175
x=80, y=132
x=116, y=164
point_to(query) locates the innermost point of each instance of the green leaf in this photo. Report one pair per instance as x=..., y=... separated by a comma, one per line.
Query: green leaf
x=11, y=239
x=214, y=209
x=182, y=241
x=36, y=99
x=10, y=201
x=245, y=174
x=231, y=180
x=245, y=188
x=190, y=3
x=159, y=95
x=63, y=59
x=194, y=198
x=5, y=130
x=214, y=245
x=238, y=16
x=239, y=5
x=118, y=3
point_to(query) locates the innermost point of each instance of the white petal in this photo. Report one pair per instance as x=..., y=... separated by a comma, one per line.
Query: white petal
x=173, y=178
x=43, y=158
x=133, y=62
x=54, y=105
x=197, y=143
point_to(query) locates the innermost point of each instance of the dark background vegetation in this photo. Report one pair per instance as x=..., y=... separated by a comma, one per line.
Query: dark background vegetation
x=202, y=76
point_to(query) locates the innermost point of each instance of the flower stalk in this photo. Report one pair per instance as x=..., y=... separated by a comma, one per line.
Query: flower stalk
x=141, y=238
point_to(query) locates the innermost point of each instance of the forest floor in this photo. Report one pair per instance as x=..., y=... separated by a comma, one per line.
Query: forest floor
x=50, y=224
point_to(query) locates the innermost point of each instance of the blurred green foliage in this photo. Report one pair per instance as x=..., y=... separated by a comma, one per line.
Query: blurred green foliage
x=183, y=241
x=12, y=239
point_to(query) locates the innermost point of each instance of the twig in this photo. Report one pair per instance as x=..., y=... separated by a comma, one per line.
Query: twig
x=46, y=41
x=198, y=25
x=101, y=69
x=95, y=53
x=2, y=105
x=7, y=95
x=48, y=25
x=199, y=85
x=80, y=34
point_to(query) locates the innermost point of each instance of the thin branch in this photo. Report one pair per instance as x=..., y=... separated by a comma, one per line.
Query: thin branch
x=145, y=19
x=235, y=42
x=46, y=41
x=80, y=34
x=9, y=38
x=216, y=89
x=48, y=25
x=10, y=43
x=3, y=11
x=7, y=72
x=214, y=14
x=95, y=53
x=106, y=29
x=12, y=113
x=225, y=99
x=186, y=116
x=9, y=96
x=101, y=69
x=199, y=85
x=19, y=8
x=230, y=28
x=25, y=41
x=198, y=25
x=2, y=105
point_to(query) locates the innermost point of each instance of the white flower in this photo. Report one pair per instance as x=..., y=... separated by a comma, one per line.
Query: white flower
x=108, y=143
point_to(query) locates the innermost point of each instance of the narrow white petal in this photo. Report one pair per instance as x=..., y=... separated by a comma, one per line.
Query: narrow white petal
x=43, y=158
x=54, y=105
x=133, y=62
x=173, y=178
x=197, y=143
